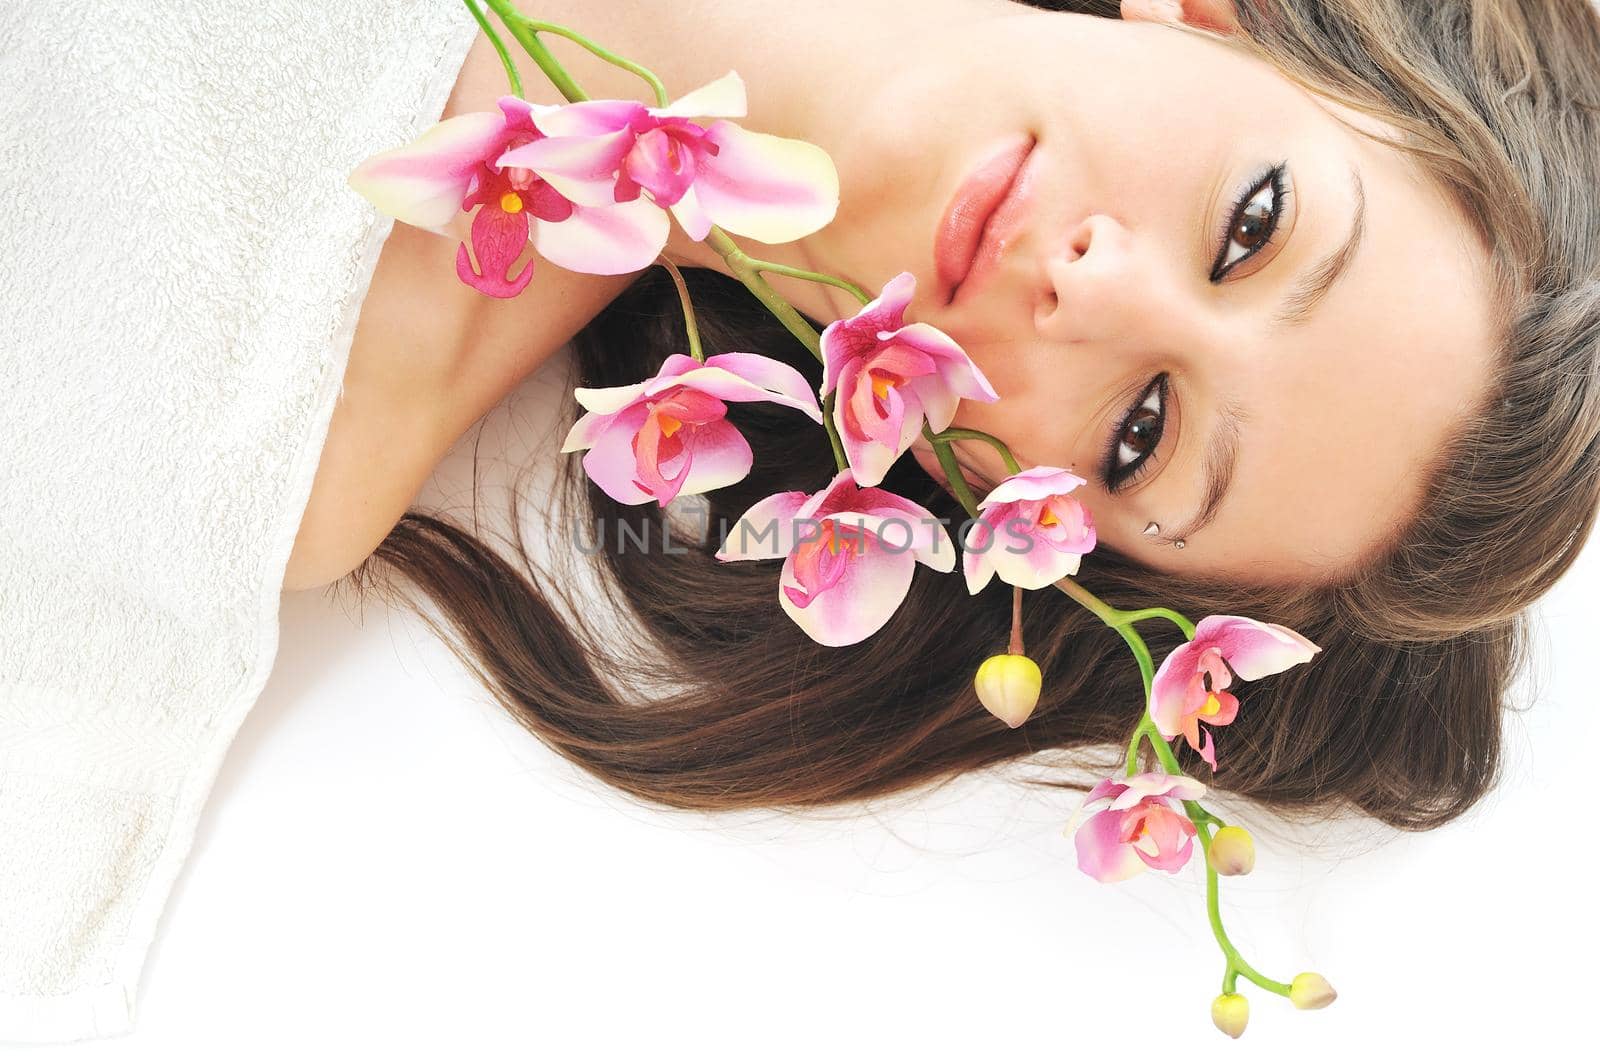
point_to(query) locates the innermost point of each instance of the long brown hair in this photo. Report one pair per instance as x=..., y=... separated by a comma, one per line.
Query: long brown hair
x=1399, y=717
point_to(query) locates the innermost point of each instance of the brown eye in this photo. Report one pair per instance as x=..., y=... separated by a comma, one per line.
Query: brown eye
x=1135, y=440
x=1253, y=221
x=1143, y=432
x=1255, y=225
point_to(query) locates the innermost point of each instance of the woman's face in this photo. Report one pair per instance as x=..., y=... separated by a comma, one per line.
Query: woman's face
x=1116, y=284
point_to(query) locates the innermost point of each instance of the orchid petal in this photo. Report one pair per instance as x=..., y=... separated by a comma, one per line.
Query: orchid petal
x=1039, y=481
x=1166, y=828
x=772, y=189
x=1098, y=798
x=621, y=238
x=423, y=183
x=722, y=98
x=610, y=461
x=956, y=371
x=771, y=375
x=659, y=164
x=498, y=240
x=977, y=564
x=720, y=456
x=1254, y=649
x=772, y=519
x=929, y=540
x=587, y=118
x=1039, y=566
x=717, y=378
x=691, y=215
x=610, y=399
x=1102, y=855
x=1159, y=784
x=869, y=590
x=868, y=459
x=581, y=168
x=584, y=431
x=1169, y=689
x=901, y=529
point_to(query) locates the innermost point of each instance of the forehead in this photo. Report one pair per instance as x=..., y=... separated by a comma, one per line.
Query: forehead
x=1345, y=411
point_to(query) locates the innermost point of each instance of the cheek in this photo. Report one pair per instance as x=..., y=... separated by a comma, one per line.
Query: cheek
x=1038, y=424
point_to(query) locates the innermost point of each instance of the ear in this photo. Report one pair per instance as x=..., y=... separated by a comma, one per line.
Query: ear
x=1218, y=16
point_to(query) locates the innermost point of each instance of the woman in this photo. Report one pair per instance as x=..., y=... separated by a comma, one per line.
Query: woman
x=1320, y=277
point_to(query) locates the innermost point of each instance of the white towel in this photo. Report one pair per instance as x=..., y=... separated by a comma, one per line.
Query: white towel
x=181, y=270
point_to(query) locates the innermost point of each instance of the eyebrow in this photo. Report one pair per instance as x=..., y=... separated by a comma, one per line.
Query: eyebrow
x=1222, y=451
x=1217, y=468
x=1319, y=279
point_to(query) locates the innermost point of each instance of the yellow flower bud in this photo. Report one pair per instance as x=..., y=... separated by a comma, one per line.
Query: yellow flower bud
x=1233, y=851
x=1310, y=990
x=1230, y=1012
x=1008, y=685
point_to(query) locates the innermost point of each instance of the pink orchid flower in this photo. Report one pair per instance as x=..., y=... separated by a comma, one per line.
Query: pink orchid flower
x=1028, y=531
x=849, y=554
x=891, y=375
x=1135, y=823
x=453, y=166
x=771, y=189
x=1190, y=687
x=669, y=435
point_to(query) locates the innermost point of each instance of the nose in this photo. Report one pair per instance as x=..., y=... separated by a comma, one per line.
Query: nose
x=1093, y=286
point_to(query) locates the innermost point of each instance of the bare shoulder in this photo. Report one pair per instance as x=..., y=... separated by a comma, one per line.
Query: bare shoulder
x=429, y=358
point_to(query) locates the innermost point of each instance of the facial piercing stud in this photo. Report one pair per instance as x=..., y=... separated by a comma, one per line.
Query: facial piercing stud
x=1178, y=544
x=1152, y=528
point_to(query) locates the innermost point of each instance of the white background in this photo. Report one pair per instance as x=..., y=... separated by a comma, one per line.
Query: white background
x=389, y=867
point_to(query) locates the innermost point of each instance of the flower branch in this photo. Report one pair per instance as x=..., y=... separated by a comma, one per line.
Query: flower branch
x=594, y=185
x=688, y=310
x=512, y=77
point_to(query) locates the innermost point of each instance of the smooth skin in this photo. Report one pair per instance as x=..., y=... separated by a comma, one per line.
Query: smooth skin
x=1146, y=131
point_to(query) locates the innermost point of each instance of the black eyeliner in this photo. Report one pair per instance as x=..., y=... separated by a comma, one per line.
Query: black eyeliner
x=1111, y=478
x=1272, y=175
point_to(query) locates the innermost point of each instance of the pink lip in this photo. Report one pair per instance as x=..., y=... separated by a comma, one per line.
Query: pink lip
x=983, y=202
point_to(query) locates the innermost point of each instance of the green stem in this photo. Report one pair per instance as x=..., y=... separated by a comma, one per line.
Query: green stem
x=499, y=46
x=1012, y=466
x=807, y=275
x=746, y=269
x=840, y=462
x=1236, y=963
x=952, y=471
x=743, y=267
x=1183, y=623
x=688, y=311
x=523, y=27
x=524, y=33
x=1202, y=820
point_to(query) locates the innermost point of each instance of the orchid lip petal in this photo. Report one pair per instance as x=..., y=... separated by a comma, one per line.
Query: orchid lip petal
x=868, y=593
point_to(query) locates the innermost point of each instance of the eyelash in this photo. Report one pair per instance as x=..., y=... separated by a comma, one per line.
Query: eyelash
x=1272, y=177
x=1112, y=477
